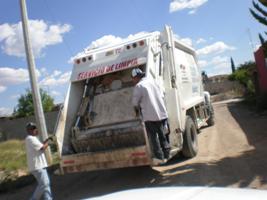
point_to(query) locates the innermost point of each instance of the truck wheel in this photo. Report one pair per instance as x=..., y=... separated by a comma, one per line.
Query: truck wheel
x=211, y=120
x=190, y=144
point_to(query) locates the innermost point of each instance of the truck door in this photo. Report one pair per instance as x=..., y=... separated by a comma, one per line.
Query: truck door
x=171, y=89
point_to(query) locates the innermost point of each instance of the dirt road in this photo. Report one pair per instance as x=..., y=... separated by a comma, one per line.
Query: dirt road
x=233, y=153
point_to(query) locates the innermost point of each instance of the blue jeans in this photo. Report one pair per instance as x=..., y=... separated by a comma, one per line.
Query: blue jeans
x=158, y=139
x=43, y=188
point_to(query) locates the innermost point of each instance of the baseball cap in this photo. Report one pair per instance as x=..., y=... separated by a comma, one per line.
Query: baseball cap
x=31, y=126
x=137, y=72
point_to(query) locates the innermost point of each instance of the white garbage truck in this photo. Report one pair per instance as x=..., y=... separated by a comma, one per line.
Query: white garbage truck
x=97, y=127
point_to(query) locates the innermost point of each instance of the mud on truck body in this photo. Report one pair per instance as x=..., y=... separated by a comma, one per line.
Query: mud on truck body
x=97, y=127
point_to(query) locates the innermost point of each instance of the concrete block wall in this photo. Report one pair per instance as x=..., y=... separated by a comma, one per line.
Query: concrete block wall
x=222, y=87
x=15, y=128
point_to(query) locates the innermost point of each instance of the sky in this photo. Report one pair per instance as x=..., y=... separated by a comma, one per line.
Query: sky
x=60, y=30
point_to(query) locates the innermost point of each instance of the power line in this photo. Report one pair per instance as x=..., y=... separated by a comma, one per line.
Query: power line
x=250, y=39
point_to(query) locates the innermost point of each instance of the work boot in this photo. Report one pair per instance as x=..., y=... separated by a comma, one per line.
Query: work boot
x=156, y=161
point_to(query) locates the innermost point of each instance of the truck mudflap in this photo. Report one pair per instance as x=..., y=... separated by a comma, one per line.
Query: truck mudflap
x=119, y=158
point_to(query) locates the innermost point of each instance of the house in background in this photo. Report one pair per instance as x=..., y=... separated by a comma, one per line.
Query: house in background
x=261, y=63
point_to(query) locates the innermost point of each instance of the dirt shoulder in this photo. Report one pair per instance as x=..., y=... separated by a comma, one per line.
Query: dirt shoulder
x=231, y=154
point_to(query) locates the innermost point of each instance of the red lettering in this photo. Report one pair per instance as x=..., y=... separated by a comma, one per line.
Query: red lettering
x=124, y=64
x=80, y=75
x=107, y=69
x=117, y=66
x=128, y=62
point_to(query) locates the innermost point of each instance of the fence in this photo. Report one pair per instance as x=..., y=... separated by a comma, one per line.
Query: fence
x=14, y=128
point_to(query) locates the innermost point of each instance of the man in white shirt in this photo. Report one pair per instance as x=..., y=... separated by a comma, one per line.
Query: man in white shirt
x=37, y=162
x=148, y=96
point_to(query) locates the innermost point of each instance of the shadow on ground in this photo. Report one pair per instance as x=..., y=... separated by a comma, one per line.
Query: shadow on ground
x=241, y=170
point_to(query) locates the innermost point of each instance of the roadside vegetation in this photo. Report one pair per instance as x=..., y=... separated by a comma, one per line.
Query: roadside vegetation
x=245, y=75
x=12, y=155
x=13, y=164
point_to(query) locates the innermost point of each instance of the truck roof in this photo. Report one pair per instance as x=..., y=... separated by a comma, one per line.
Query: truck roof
x=129, y=40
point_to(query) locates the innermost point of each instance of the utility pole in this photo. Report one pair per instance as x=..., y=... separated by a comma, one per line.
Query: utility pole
x=38, y=108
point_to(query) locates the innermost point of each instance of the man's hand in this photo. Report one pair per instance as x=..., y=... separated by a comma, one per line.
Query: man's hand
x=46, y=142
x=49, y=139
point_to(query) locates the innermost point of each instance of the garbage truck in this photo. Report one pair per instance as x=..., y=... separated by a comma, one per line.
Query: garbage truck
x=97, y=127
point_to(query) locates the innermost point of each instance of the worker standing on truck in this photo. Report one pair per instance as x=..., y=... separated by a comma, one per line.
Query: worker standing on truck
x=37, y=162
x=148, y=96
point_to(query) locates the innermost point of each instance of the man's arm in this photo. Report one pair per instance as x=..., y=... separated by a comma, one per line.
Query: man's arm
x=136, y=100
x=162, y=92
x=46, y=143
x=37, y=145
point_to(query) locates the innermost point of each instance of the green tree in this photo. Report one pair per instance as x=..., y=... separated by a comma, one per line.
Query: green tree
x=25, y=105
x=261, y=39
x=205, y=77
x=244, y=75
x=260, y=11
x=232, y=65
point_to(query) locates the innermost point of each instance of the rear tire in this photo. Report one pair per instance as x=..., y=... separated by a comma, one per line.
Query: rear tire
x=211, y=120
x=190, y=142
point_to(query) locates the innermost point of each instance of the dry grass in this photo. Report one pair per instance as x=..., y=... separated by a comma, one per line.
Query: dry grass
x=12, y=155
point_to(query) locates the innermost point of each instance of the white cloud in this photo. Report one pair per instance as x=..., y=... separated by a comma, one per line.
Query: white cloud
x=2, y=88
x=15, y=96
x=55, y=93
x=201, y=40
x=217, y=65
x=56, y=78
x=177, y=5
x=187, y=41
x=106, y=40
x=41, y=33
x=202, y=63
x=56, y=73
x=218, y=61
x=216, y=48
x=6, y=31
x=5, y=111
x=43, y=71
x=11, y=76
x=192, y=12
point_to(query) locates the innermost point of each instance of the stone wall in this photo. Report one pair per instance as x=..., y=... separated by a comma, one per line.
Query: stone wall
x=223, y=87
x=15, y=128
